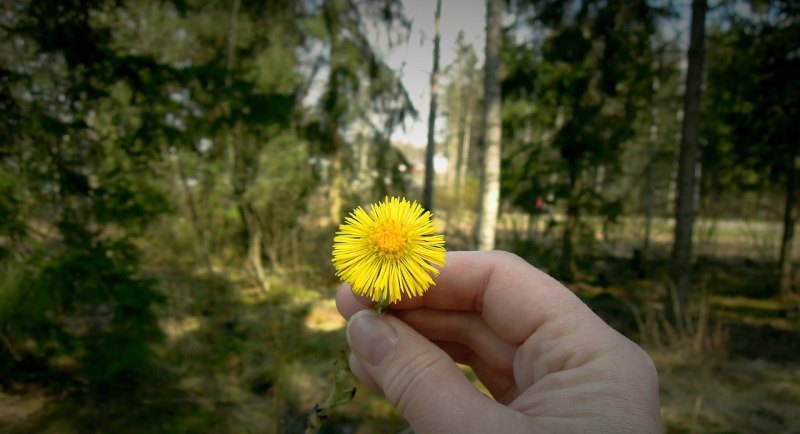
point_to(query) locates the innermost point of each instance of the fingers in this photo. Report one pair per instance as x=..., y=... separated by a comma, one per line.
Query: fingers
x=492, y=310
x=468, y=340
x=502, y=386
x=360, y=372
x=519, y=306
x=456, y=331
x=467, y=328
x=462, y=335
x=421, y=380
x=349, y=303
x=513, y=297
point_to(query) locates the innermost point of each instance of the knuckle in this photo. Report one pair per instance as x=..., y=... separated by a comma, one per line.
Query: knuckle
x=507, y=256
x=406, y=382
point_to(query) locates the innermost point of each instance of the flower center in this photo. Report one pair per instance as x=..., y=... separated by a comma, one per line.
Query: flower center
x=389, y=239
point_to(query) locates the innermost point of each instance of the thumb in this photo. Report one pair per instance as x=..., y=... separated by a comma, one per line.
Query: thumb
x=416, y=376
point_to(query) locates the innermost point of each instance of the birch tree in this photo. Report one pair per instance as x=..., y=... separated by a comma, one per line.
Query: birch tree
x=490, y=181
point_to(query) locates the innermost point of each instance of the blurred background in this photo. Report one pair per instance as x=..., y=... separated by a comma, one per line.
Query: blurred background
x=172, y=174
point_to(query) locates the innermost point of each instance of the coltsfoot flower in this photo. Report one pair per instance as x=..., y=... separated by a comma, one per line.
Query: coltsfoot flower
x=390, y=252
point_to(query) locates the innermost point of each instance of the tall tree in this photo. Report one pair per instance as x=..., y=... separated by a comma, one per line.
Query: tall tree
x=578, y=82
x=492, y=132
x=685, y=206
x=462, y=98
x=785, y=273
x=656, y=133
x=341, y=27
x=752, y=100
x=430, y=149
x=75, y=154
x=334, y=104
x=243, y=115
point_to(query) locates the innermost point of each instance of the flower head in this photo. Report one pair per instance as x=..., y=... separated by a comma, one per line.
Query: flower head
x=389, y=251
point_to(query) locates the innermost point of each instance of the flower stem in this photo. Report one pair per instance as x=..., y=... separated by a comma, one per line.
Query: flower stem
x=338, y=396
x=382, y=305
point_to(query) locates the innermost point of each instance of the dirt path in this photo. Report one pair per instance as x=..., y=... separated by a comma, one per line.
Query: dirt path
x=16, y=409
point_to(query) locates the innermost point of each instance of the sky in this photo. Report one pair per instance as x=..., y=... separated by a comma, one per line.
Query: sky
x=417, y=56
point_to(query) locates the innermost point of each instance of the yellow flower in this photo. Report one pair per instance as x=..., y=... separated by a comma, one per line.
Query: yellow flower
x=389, y=251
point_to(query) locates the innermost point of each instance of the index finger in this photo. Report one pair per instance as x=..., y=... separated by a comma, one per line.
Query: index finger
x=513, y=297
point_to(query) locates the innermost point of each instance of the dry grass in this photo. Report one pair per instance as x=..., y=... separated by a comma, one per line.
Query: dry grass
x=741, y=396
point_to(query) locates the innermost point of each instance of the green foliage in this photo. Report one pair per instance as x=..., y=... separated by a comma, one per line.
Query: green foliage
x=12, y=227
x=462, y=106
x=117, y=113
x=752, y=100
x=167, y=171
x=573, y=96
x=83, y=306
x=77, y=303
x=362, y=95
x=752, y=127
x=577, y=90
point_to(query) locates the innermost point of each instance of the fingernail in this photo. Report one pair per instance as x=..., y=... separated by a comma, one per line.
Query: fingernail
x=372, y=338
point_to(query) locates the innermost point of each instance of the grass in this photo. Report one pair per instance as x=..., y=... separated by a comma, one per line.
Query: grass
x=234, y=360
x=237, y=360
x=738, y=396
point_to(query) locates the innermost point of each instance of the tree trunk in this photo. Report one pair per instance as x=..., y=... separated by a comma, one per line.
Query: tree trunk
x=334, y=109
x=243, y=171
x=789, y=218
x=381, y=166
x=196, y=223
x=490, y=185
x=686, y=180
x=566, y=266
x=335, y=192
x=361, y=176
x=430, y=150
x=649, y=180
x=254, y=262
x=463, y=153
x=453, y=147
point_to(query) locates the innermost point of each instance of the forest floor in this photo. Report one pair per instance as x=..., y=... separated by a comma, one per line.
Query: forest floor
x=235, y=359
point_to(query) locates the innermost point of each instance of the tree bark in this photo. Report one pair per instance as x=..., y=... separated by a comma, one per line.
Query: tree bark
x=243, y=171
x=454, y=145
x=463, y=153
x=333, y=111
x=430, y=150
x=490, y=185
x=789, y=218
x=685, y=201
x=361, y=176
x=254, y=240
x=195, y=216
x=335, y=192
x=649, y=180
x=566, y=266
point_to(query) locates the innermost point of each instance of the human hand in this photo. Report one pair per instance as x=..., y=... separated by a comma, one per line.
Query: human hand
x=550, y=363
